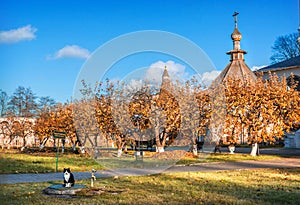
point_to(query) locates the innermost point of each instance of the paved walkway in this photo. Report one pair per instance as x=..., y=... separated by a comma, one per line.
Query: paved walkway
x=267, y=151
x=247, y=164
x=201, y=167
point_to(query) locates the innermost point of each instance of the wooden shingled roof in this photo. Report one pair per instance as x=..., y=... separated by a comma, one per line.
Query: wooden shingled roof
x=236, y=69
x=292, y=62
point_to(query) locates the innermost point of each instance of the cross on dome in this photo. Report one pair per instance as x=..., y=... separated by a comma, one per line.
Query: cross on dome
x=236, y=36
x=235, y=14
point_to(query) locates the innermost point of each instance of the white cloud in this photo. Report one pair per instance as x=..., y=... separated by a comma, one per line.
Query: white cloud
x=208, y=77
x=19, y=34
x=175, y=70
x=134, y=84
x=72, y=51
x=255, y=68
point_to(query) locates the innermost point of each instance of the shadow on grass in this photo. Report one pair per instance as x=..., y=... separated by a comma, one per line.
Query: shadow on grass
x=232, y=187
x=218, y=190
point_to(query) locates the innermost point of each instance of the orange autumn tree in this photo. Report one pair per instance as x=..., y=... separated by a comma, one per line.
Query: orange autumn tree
x=237, y=100
x=255, y=113
x=105, y=112
x=139, y=108
x=177, y=112
x=195, y=111
x=156, y=114
x=59, y=118
x=130, y=108
x=16, y=129
x=23, y=128
x=273, y=109
x=92, y=115
x=42, y=127
x=261, y=112
x=166, y=115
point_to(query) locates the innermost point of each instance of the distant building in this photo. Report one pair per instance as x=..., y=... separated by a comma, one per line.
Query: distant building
x=292, y=139
x=10, y=138
x=285, y=68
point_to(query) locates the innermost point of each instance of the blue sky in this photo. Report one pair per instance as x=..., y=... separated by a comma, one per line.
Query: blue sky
x=43, y=44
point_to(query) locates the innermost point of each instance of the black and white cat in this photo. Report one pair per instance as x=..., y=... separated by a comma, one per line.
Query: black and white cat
x=69, y=180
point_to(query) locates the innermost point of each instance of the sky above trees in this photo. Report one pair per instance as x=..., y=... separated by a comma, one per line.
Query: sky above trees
x=43, y=44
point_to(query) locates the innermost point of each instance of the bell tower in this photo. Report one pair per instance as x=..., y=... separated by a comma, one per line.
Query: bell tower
x=165, y=82
x=237, y=68
x=236, y=36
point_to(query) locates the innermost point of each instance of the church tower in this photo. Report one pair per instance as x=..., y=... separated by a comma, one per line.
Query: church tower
x=165, y=81
x=237, y=68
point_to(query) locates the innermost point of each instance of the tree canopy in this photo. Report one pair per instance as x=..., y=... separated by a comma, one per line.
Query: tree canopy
x=241, y=113
x=285, y=47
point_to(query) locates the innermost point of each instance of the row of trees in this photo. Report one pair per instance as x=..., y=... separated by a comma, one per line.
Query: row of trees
x=176, y=114
x=23, y=103
x=18, y=113
x=262, y=111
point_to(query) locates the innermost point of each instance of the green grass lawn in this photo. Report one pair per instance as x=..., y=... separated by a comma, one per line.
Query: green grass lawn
x=223, y=157
x=262, y=186
x=28, y=163
x=46, y=162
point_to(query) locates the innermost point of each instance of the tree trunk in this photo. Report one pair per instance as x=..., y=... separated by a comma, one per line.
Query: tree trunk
x=254, y=149
x=195, y=150
x=160, y=149
x=160, y=140
x=7, y=142
x=82, y=150
x=24, y=141
x=54, y=144
x=24, y=144
x=44, y=141
x=63, y=142
x=231, y=149
x=120, y=141
x=77, y=142
x=41, y=146
x=119, y=152
x=82, y=144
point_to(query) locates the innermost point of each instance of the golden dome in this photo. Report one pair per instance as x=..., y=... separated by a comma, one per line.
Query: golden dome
x=236, y=35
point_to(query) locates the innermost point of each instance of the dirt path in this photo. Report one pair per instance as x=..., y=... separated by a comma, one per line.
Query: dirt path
x=201, y=167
